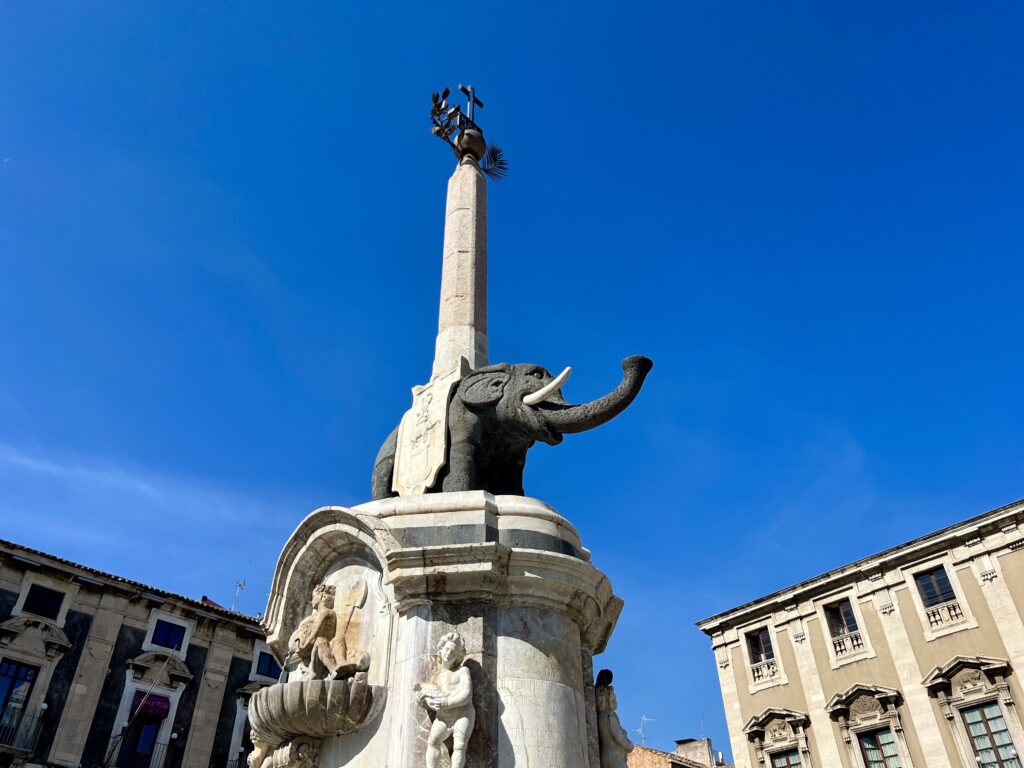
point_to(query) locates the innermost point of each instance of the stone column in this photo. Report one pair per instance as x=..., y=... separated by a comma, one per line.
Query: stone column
x=84, y=696
x=462, y=320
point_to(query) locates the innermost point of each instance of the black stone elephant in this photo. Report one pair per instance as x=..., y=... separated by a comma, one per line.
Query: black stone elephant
x=497, y=413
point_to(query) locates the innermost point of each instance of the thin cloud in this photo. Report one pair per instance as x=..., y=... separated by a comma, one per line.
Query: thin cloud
x=184, y=534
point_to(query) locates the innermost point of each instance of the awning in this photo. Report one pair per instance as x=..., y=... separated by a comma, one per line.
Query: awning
x=154, y=705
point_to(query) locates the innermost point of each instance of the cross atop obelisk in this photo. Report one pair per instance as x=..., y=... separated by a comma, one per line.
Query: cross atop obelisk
x=461, y=344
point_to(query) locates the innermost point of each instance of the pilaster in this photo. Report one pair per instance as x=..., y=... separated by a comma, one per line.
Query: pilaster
x=80, y=707
x=208, y=701
x=1001, y=604
x=730, y=698
x=810, y=681
x=919, y=704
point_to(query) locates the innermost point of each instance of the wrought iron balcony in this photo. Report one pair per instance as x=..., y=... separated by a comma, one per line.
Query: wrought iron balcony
x=845, y=645
x=135, y=753
x=19, y=729
x=944, y=614
x=763, y=671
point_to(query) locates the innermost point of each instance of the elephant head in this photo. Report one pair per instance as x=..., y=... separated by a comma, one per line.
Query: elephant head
x=498, y=412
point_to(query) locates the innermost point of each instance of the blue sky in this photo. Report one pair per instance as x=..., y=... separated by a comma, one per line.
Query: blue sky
x=220, y=241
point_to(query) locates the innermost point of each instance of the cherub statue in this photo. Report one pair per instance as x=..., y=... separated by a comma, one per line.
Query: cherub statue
x=612, y=737
x=449, y=693
x=321, y=641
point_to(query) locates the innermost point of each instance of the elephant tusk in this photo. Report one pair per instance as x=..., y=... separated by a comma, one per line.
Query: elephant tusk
x=541, y=394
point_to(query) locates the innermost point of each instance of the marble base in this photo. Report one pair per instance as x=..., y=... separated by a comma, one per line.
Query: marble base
x=509, y=574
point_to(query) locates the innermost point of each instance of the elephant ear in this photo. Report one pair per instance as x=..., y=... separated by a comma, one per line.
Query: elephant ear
x=484, y=388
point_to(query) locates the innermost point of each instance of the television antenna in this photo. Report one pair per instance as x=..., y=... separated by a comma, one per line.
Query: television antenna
x=239, y=586
x=642, y=729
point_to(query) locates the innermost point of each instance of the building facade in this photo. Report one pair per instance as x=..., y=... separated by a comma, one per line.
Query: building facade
x=689, y=753
x=96, y=670
x=907, y=659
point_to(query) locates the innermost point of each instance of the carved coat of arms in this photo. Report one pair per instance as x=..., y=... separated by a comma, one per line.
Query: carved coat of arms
x=422, y=436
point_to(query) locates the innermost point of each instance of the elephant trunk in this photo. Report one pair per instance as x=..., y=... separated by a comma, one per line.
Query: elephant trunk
x=578, y=418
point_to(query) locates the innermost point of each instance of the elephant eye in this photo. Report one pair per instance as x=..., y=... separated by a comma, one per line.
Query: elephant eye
x=538, y=375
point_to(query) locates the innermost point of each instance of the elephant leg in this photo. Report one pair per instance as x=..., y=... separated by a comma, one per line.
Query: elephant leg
x=462, y=469
x=509, y=480
x=384, y=468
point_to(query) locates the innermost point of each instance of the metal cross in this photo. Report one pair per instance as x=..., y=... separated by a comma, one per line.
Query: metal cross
x=471, y=100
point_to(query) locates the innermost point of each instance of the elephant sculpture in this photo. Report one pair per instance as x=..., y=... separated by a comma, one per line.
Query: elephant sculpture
x=497, y=413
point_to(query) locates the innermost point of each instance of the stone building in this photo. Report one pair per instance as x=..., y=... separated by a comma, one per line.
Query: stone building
x=689, y=753
x=97, y=670
x=910, y=658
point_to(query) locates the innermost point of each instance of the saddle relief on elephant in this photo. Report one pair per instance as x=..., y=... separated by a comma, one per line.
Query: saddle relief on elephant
x=422, y=436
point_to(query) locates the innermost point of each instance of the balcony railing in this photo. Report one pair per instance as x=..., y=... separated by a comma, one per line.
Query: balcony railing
x=19, y=730
x=844, y=645
x=944, y=614
x=763, y=671
x=124, y=756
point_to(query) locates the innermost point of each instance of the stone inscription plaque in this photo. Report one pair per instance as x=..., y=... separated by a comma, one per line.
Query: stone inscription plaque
x=540, y=691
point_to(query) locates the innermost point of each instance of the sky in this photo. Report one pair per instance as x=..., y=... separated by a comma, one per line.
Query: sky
x=220, y=247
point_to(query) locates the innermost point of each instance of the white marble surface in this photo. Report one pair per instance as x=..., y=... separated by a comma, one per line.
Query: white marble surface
x=530, y=618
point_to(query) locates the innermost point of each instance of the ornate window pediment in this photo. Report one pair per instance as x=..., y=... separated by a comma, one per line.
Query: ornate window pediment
x=963, y=679
x=863, y=706
x=777, y=729
x=975, y=686
x=35, y=636
x=161, y=669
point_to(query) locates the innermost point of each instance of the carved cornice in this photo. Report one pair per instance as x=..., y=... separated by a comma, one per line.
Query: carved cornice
x=52, y=637
x=944, y=674
x=863, y=705
x=777, y=728
x=844, y=699
x=759, y=722
x=964, y=679
x=157, y=663
x=987, y=533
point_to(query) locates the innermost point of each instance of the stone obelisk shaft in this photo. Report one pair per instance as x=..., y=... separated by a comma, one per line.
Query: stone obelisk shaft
x=462, y=321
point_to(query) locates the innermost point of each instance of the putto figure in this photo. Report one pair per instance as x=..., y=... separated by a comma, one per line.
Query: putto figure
x=449, y=694
x=321, y=641
x=614, y=741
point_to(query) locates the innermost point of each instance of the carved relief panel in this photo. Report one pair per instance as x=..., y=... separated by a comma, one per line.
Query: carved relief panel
x=779, y=730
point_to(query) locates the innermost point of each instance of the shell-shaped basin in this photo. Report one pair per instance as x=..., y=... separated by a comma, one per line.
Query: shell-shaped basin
x=318, y=708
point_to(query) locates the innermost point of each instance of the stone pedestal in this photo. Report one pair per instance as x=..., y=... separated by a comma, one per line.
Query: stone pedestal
x=508, y=573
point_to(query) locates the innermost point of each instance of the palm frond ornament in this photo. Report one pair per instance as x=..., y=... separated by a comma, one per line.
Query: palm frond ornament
x=494, y=164
x=457, y=128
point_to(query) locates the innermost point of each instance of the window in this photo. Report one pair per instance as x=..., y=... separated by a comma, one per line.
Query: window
x=990, y=737
x=267, y=666
x=168, y=635
x=934, y=587
x=879, y=749
x=760, y=645
x=16, y=682
x=841, y=620
x=789, y=759
x=15, y=685
x=43, y=601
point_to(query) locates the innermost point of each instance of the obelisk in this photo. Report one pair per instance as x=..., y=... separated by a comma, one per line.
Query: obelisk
x=461, y=344
x=462, y=319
